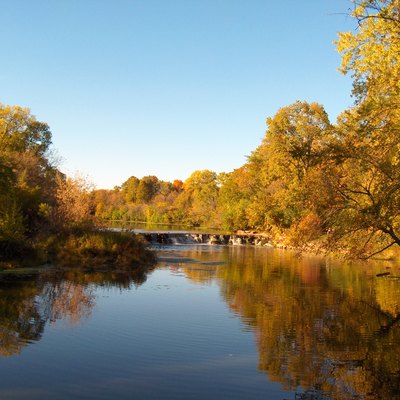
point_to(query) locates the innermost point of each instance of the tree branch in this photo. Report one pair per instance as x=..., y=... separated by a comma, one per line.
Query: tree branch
x=377, y=252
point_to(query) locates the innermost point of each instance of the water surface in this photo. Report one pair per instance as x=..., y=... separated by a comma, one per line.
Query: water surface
x=209, y=322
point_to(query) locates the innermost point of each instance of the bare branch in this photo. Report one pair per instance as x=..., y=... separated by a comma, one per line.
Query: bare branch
x=377, y=252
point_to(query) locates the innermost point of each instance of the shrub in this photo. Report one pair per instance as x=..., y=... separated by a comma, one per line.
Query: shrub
x=108, y=249
x=308, y=229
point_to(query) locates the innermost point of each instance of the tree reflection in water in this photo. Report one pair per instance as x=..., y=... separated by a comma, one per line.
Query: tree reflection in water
x=29, y=301
x=330, y=329
x=327, y=330
x=20, y=320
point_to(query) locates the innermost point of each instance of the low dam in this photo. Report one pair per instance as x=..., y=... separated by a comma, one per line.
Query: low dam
x=183, y=237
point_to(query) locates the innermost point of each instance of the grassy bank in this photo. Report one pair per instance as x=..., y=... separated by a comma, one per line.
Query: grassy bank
x=83, y=248
x=116, y=250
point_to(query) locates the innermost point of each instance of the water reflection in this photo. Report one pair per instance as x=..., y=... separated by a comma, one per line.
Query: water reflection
x=29, y=301
x=20, y=320
x=324, y=329
x=331, y=329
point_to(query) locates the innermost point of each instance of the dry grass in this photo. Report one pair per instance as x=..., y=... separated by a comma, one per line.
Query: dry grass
x=94, y=249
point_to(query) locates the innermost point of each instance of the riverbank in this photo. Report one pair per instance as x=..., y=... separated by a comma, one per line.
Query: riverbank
x=83, y=248
x=321, y=246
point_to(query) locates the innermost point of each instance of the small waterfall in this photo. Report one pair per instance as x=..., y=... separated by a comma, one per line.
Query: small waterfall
x=170, y=238
x=186, y=238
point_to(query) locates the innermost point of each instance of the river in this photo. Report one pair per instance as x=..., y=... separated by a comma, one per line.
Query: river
x=208, y=322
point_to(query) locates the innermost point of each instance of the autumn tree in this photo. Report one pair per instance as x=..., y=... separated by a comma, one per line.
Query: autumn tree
x=200, y=196
x=147, y=189
x=298, y=137
x=369, y=218
x=26, y=175
x=294, y=152
x=235, y=196
x=129, y=189
x=178, y=185
x=73, y=202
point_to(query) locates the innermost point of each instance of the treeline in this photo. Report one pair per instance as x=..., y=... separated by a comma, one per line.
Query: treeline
x=45, y=215
x=192, y=203
x=310, y=180
x=334, y=185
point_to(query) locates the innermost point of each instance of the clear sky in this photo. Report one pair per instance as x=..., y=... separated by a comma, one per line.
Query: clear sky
x=167, y=87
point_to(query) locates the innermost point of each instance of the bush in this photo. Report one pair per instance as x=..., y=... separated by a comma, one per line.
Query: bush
x=308, y=229
x=108, y=249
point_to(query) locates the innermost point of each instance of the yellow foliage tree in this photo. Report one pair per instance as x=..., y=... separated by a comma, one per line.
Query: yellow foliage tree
x=370, y=132
x=73, y=202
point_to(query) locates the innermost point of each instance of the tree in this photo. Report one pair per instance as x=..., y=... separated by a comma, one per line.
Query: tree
x=234, y=198
x=26, y=175
x=147, y=189
x=129, y=189
x=11, y=220
x=299, y=136
x=73, y=202
x=370, y=131
x=201, y=197
x=372, y=54
x=178, y=185
x=297, y=144
x=20, y=131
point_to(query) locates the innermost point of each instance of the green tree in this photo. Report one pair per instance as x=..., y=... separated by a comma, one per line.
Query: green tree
x=129, y=189
x=11, y=219
x=20, y=131
x=147, y=189
x=27, y=178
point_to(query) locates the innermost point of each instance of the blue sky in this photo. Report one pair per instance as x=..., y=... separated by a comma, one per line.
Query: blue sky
x=167, y=87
